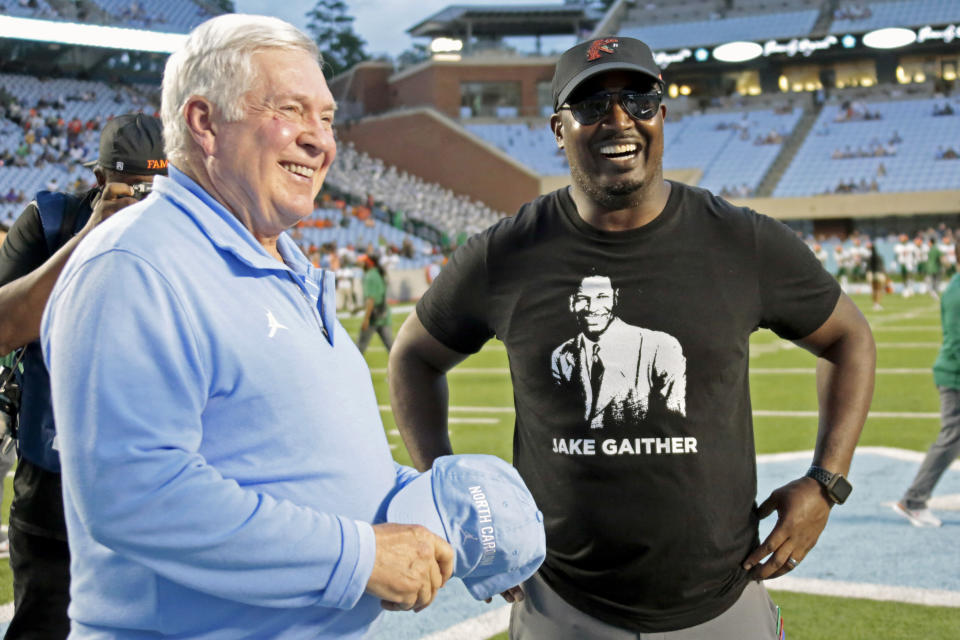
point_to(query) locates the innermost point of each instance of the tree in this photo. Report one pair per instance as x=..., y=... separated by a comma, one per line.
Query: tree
x=414, y=55
x=332, y=29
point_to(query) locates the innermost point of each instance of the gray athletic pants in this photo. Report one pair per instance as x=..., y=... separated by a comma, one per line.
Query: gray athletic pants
x=944, y=451
x=385, y=332
x=543, y=615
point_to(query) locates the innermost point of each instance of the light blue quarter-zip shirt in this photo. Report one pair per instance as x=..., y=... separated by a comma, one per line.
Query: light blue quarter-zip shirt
x=222, y=450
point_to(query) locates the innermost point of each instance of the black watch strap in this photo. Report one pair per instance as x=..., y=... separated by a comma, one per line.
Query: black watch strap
x=836, y=486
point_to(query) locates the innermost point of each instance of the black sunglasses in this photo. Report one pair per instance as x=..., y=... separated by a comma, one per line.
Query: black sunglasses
x=593, y=109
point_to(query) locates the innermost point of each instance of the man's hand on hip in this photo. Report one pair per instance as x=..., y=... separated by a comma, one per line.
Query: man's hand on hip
x=411, y=565
x=802, y=512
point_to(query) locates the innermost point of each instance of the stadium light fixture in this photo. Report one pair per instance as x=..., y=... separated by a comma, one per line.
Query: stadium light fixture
x=738, y=51
x=848, y=41
x=889, y=38
x=446, y=45
x=701, y=54
x=90, y=35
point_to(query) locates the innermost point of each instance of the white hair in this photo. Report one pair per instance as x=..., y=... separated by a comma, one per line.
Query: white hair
x=216, y=62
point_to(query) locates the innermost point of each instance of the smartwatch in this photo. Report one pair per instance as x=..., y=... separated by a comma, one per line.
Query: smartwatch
x=836, y=486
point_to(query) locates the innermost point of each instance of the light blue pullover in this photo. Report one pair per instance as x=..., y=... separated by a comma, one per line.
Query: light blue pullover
x=222, y=458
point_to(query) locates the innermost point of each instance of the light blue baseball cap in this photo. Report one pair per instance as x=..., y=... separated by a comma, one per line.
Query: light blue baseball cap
x=481, y=506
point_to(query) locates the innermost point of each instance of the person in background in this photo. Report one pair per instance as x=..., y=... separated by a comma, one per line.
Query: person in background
x=376, y=311
x=40, y=242
x=946, y=375
x=876, y=275
x=934, y=267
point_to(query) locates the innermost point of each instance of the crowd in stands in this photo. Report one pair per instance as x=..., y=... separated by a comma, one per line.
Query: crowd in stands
x=854, y=110
x=875, y=149
x=945, y=109
x=42, y=132
x=169, y=15
x=901, y=150
x=854, y=186
x=734, y=191
x=407, y=195
x=852, y=12
x=946, y=153
x=32, y=8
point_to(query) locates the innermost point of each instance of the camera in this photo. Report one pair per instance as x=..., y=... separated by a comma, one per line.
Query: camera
x=9, y=408
x=142, y=189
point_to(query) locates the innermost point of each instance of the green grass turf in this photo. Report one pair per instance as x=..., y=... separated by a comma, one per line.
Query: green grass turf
x=908, y=332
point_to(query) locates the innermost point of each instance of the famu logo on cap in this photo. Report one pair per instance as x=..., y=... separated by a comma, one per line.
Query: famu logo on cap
x=603, y=45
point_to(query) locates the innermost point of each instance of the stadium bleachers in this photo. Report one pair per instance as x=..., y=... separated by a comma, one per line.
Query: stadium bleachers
x=724, y=145
x=57, y=99
x=346, y=231
x=178, y=16
x=701, y=141
x=360, y=175
x=531, y=144
x=707, y=31
x=24, y=10
x=900, y=13
x=914, y=167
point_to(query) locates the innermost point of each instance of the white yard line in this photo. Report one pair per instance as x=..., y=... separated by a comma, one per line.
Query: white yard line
x=888, y=593
x=810, y=370
x=763, y=413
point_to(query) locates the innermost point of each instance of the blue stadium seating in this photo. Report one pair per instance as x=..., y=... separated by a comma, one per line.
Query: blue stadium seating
x=700, y=141
x=913, y=168
x=710, y=32
x=901, y=13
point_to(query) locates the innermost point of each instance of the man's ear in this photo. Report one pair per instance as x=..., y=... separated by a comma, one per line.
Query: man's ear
x=199, y=114
x=556, y=125
x=100, y=175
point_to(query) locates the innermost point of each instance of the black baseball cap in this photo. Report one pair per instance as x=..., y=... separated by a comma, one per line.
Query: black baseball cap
x=587, y=59
x=132, y=143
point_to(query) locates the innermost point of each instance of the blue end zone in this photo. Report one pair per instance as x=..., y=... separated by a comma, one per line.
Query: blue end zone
x=865, y=541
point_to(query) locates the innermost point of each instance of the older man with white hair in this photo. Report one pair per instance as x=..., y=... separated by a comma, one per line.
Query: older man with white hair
x=224, y=463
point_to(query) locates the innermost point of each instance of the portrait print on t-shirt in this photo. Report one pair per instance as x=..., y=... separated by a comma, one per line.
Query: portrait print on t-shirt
x=621, y=372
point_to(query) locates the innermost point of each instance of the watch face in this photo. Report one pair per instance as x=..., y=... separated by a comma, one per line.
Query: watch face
x=841, y=489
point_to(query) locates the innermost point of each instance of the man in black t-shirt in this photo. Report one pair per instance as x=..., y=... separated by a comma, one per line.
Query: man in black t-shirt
x=33, y=254
x=651, y=520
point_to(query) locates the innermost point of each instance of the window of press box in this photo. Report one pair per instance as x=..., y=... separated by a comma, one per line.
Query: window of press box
x=489, y=99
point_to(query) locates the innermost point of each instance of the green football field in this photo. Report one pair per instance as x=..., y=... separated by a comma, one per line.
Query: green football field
x=907, y=332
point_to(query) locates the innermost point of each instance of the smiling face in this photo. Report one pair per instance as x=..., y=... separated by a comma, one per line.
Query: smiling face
x=616, y=159
x=268, y=167
x=592, y=304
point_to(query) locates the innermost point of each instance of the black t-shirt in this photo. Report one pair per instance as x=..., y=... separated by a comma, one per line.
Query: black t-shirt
x=37, y=506
x=629, y=358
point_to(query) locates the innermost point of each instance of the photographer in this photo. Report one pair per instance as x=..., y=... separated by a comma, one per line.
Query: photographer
x=31, y=258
